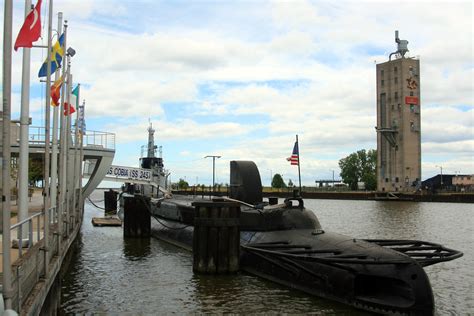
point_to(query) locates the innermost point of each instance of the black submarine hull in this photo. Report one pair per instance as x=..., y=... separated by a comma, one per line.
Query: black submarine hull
x=285, y=243
x=299, y=254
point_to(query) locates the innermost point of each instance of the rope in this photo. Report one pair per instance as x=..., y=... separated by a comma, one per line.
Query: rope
x=156, y=217
x=89, y=199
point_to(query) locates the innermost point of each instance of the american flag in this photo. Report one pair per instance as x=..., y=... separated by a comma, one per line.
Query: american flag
x=294, y=159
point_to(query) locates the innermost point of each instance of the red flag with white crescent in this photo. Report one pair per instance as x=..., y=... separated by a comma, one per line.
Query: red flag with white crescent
x=31, y=29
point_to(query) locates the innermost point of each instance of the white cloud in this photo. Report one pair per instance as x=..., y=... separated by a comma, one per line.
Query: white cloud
x=259, y=78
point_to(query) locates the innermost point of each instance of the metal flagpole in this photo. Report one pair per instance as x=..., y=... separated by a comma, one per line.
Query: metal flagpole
x=299, y=158
x=24, y=125
x=81, y=155
x=75, y=175
x=63, y=147
x=46, y=142
x=54, y=154
x=6, y=153
x=68, y=140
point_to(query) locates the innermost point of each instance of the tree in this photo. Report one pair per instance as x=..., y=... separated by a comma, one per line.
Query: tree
x=35, y=170
x=360, y=166
x=277, y=181
x=182, y=184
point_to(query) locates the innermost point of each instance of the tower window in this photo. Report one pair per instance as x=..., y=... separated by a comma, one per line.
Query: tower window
x=396, y=80
x=395, y=69
x=381, y=73
x=411, y=93
x=382, y=83
x=396, y=95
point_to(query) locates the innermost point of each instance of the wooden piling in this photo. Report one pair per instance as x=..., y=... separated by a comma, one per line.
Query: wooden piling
x=216, y=239
x=110, y=202
x=137, y=219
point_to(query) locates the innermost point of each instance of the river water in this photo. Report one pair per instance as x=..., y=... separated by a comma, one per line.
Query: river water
x=110, y=275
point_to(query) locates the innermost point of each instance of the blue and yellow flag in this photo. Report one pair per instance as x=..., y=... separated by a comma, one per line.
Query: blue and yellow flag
x=57, y=53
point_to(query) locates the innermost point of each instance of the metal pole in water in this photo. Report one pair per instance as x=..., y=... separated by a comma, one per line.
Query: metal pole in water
x=24, y=124
x=63, y=146
x=54, y=154
x=46, y=142
x=68, y=158
x=6, y=153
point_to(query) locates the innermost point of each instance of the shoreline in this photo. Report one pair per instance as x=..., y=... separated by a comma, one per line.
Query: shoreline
x=353, y=195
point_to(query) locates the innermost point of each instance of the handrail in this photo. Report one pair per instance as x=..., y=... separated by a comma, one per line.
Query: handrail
x=53, y=212
x=25, y=220
x=19, y=226
x=91, y=138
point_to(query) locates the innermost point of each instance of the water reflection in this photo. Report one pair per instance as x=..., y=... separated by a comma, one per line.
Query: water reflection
x=246, y=294
x=112, y=275
x=135, y=249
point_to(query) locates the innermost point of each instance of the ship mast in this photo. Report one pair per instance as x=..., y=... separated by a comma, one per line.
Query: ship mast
x=151, y=142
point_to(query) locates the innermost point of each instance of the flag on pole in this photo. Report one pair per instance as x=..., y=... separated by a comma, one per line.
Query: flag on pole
x=57, y=53
x=56, y=91
x=70, y=107
x=31, y=29
x=75, y=96
x=74, y=99
x=82, y=122
x=294, y=159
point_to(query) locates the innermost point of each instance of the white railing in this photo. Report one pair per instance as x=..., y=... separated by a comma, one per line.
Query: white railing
x=19, y=227
x=97, y=139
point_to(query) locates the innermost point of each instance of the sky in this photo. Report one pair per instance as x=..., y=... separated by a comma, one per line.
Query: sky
x=240, y=79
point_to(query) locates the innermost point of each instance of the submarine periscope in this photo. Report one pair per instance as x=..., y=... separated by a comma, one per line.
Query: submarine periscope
x=285, y=243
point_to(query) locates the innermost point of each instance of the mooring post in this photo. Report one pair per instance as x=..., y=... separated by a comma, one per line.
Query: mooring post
x=137, y=218
x=110, y=202
x=216, y=239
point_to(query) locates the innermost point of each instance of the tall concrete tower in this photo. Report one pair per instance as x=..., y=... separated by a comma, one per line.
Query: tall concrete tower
x=398, y=122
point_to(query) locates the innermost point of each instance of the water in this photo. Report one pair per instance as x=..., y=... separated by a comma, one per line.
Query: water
x=110, y=274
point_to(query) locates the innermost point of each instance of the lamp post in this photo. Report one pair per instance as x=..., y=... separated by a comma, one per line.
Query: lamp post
x=213, y=168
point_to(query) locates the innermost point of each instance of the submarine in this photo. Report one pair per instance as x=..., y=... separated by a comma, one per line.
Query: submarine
x=285, y=243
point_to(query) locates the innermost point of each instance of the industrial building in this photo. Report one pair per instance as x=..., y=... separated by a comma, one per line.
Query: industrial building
x=398, y=122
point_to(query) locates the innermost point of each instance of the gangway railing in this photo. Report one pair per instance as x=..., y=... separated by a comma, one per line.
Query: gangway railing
x=98, y=139
x=103, y=139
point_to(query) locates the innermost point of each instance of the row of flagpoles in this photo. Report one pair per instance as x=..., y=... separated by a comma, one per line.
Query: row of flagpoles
x=59, y=95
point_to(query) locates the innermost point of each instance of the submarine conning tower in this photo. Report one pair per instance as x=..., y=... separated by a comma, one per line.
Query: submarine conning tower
x=151, y=161
x=245, y=182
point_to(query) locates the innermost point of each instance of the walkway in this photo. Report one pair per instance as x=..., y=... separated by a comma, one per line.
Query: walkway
x=34, y=206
